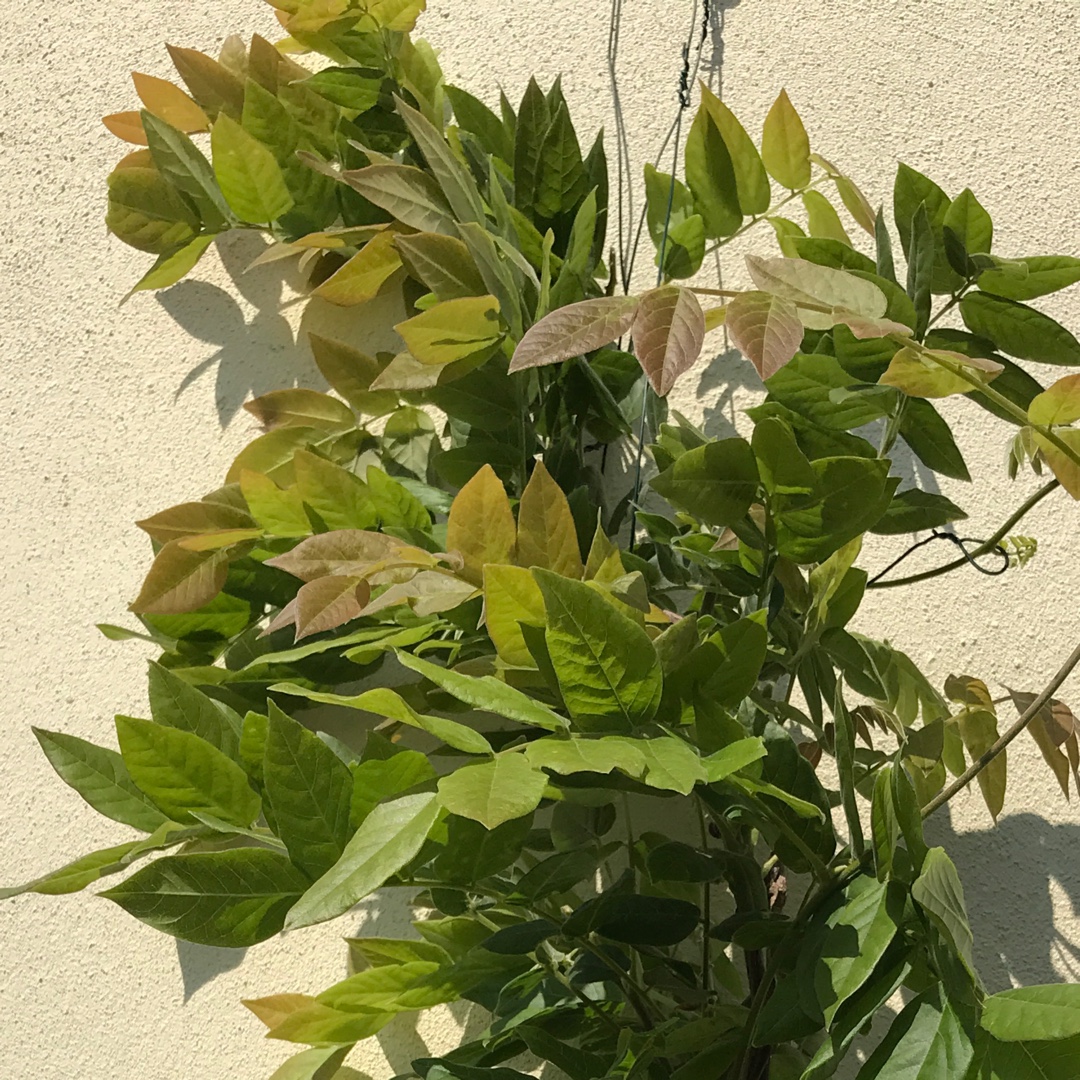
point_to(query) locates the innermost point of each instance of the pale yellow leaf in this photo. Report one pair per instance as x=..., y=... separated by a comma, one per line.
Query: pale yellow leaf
x=511, y=596
x=168, y=102
x=546, y=535
x=481, y=525
x=364, y=274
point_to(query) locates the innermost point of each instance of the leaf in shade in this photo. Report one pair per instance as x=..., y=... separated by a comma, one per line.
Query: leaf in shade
x=785, y=147
x=329, y=602
x=364, y=274
x=351, y=372
x=227, y=899
x=177, y=704
x=546, y=534
x=180, y=581
x=442, y=263
x=500, y=790
x=408, y=193
x=389, y=838
x=926, y=1041
x=668, y=332
x=99, y=775
x=766, y=329
x=751, y=180
x=309, y=790
x=938, y=891
x=574, y=330
x=716, y=482
x=481, y=525
x=147, y=212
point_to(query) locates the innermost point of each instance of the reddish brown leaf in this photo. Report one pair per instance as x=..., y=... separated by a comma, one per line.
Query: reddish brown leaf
x=575, y=329
x=180, y=581
x=668, y=332
x=328, y=602
x=766, y=329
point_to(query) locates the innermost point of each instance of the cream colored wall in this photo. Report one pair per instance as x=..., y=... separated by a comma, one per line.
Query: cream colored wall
x=110, y=414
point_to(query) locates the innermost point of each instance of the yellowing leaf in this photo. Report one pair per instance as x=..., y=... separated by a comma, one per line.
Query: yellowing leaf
x=167, y=101
x=574, y=330
x=979, y=731
x=785, y=147
x=212, y=85
x=452, y=330
x=546, y=535
x=364, y=274
x=1059, y=403
x=280, y=513
x=481, y=525
x=127, y=126
x=193, y=518
x=298, y=406
x=858, y=206
x=180, y=581
x=250, y=177
x=1063, y=466
x=397, y=15
x=604, y=563
x=351, y=372
x=766, y=329
x=806, y=283
x=137, y=159
x=511, y=596
x=668, y=332
x=916, y=373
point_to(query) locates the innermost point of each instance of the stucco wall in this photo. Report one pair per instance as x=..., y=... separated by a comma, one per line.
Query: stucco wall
x=109, y=414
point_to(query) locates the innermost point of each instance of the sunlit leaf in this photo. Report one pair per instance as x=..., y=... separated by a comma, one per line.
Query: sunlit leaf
x=766, y=329
x=481, y=525
x=452, y=329
x=668, y=331
x=751, y=180
x=181, y=581
x=546, y=534
x=785, y=147
x=167, y=101
x=500, y=790
x=364, y=274
x=914, y=371
x=574, y=330
x=1019, y=330
x=408, y=193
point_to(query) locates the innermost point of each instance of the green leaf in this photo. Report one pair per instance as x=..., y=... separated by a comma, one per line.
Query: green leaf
x=671, y=765
x=408, y=193
x=970, y=223
x=677, y=231
x=486, y=693
x=925, y=1042
x=921, y=252
x=318, y=1063
x=911, y=190
x=475, y=117
x=731, y=660
x=340, y=498
x=806, y=385
x=181, y=773
x=732, y=758
x=1032, y=1060
x=915, y=511
x=844, y=749
x=822, y=221
x=1045, y=274
x=76, y=875
x=785, y=147
x=356, y=89
x=634, y=919
x=569, y=756
x=711, y=178
x=184, y=165
x=561, y=172
x=496, y=791
x=838, y=255
x=227, y=899
x=148, y=213
x=397, y=507
x=361, y=278
x=716, y=482
x=177, y=704
x=388, y=839
x=386, y=702
x=557, y=873
x=859, y=932
x=442, y=263
x=930, y=439
x=1033, y=1013
x=533, y=120
x=979, y=731
x=546, y=535
x=170, y=267
x=100, y=776
x=606, y=665
x=309, y=790
x=248, y=174
x=1019, y=330
x=751, y=180
x=938, y=891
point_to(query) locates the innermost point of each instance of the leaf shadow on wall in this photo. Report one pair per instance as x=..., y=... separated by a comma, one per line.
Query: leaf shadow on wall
x=250, y=357
x=1011, y=872
x=201, y=964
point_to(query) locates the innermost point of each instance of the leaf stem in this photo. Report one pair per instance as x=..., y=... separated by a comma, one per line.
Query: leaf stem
x=1026, y=717
x=791, y=196
x=982, y=549
x=706, y=907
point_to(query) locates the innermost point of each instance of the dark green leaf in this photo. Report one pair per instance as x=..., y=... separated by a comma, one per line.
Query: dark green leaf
x=177, y=704
x=634, y=919
x=716, y=482
x=915, y=511
x=930, y=438
x=1019, y=330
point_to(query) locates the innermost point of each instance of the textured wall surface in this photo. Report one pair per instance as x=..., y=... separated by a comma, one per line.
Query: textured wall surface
x=110, y=414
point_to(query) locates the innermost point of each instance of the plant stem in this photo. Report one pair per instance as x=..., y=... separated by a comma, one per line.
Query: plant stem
x=951, y=303
x=892, y=428
x=548, y=963
x=1026, y=717
x=706, y=907
x=982, y=549
x=755, y=220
